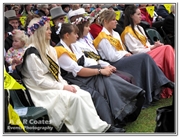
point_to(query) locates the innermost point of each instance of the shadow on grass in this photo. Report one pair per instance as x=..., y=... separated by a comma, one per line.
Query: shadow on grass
x=146, y=123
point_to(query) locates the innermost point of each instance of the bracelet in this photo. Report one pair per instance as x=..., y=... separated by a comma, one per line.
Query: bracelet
x=99, y=70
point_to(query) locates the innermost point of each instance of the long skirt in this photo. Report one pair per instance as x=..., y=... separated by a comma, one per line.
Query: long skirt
x=165, y=59
x=75, y=110
x=120, y=94
x=146, y=73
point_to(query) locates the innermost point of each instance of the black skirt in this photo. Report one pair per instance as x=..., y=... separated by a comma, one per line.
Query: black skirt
x=146, y=73
x=120, y=95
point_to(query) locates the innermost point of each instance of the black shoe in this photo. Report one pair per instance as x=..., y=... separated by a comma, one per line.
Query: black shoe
x=115, y=129
x=170, y=85
x=142, y=93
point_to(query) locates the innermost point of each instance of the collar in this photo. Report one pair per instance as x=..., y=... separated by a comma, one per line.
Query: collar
x=107, y=32
x=65, y=45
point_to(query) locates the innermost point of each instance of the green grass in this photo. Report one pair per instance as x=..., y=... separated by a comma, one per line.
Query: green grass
x=146, y=123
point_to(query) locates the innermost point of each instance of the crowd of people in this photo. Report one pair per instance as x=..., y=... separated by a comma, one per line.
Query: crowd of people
x=92, y=70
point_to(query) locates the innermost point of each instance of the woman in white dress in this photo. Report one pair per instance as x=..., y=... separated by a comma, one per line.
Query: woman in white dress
x=66, y=104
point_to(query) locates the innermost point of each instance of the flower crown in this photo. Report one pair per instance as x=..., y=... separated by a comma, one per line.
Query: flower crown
x=35, y=26
x=80, y=20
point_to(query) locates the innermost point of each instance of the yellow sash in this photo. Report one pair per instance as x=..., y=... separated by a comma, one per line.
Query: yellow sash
x=113, y=41
x=61, y=50
x=141, y=38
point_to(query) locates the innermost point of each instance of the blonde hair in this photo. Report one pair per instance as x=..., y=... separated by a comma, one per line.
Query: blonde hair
x=20, y=34
x=38, y=39
x=106, y=15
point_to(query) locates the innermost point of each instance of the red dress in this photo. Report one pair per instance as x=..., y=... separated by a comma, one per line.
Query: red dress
x=165, y=60
x=95, y=29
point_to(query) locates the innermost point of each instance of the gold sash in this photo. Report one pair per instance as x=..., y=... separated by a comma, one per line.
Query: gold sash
x=141, y=38
x=53, y=67
x=113, y=41
x=61, y=50
x=91, y=54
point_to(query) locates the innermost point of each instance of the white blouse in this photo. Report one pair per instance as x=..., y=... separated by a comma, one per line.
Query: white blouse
x=107, y=51
x=134, y=45
x=67, y=63
x=85, y=44
x=70, y=65
x=39, y=73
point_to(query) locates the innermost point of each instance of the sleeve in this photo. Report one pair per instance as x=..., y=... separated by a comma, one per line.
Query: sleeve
x=69, y=65
x=134, y=45
x=39, y=73
x=103, y=63
x=10, y=70
x=108, y=52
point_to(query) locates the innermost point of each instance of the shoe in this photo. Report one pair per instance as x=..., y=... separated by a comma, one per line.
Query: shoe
x=115, y=129
x=170, y=85
x=142, y=93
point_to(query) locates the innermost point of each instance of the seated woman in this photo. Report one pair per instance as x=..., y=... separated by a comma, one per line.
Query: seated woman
x=125, y=100
x=136, y=41
x=145, y=71
x=85, y=44
x=66, y=104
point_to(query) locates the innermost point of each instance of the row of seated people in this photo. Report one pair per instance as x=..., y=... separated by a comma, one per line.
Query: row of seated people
x=146, y=22
x=141, y=43
x=163, y=23
x=55, y=82
x=130, y=111
x=90, y=73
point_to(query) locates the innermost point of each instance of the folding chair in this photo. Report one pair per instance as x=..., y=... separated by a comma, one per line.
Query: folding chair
x=33, y=115
x=153, y=35
x=166, y=37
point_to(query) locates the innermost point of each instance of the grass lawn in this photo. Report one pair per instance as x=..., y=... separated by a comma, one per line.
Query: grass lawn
x=146, y=123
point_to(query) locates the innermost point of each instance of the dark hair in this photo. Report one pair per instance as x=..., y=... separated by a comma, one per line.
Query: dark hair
x=129, y=11
x=81, y=26
x=67, y=28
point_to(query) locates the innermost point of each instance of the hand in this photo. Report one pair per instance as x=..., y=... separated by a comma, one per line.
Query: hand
x=16, y=61
x=106, y=71
x=113, y=69
x=157, y=44
x=13, y=66
x=70, y=88
x=128, y=54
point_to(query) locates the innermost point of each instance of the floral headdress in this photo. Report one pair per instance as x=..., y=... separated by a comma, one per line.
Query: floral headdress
x=35, y=26
x=95, y=13
x=81, y=20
